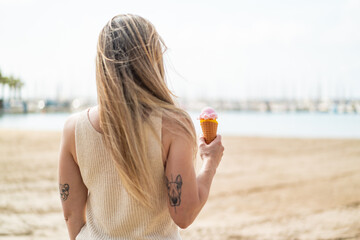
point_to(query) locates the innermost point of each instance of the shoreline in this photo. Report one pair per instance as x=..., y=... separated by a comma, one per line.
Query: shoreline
x=14, y=130
x=316, y=126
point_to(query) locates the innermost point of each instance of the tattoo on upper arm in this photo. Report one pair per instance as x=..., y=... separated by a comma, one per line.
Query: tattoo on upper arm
x=64, y=191
x=174, y=191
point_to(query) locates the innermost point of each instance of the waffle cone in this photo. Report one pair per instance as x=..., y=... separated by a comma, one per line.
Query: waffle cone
x=209, y=129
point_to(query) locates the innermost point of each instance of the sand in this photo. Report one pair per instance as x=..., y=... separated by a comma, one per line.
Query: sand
x=264, y=189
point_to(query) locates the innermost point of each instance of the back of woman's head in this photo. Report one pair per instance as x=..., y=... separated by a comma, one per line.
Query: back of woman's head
x=130, y=54
x=131, y=85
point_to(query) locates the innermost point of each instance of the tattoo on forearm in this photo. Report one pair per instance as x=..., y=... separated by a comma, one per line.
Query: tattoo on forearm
x=64, y=191
x=174, y=190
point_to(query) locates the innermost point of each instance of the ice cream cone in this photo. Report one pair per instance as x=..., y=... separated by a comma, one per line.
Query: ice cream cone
x=209, y=129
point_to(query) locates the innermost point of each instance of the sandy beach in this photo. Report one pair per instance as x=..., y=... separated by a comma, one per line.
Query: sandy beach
x=265, y=188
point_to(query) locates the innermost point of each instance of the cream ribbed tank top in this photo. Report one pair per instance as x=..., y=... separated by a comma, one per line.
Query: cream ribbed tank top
x=111, y=213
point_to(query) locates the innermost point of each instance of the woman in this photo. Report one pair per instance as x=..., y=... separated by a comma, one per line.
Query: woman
x=126, y=167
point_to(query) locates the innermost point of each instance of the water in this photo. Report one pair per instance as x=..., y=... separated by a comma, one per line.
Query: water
x=34, y=121
x=303, y=125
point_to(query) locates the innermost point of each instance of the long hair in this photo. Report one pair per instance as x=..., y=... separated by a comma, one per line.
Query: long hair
x=131, y=85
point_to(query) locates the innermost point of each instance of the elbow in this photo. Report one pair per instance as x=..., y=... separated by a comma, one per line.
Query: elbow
x=67, y=216
x=70, y=215
x=184, y=222
x=74, y=219
x=73, y=215
x=187, y=216
x=183, y=225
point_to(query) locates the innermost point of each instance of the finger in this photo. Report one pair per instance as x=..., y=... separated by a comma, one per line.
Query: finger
x=201, y=139
x=217, y=139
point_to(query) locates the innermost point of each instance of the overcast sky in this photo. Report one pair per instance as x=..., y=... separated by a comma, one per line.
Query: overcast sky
x=217, y=49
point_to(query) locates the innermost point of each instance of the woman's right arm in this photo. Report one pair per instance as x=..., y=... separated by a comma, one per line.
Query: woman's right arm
x=187, y=192
x=73, y=192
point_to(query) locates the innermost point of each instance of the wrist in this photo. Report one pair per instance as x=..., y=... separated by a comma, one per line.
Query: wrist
x=208, y=169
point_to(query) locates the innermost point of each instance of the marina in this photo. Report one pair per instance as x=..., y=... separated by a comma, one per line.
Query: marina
x=233, y=123
x=338, y=106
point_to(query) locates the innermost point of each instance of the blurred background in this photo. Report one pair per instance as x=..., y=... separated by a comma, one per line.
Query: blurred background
x=299, y=60
x=284, y=77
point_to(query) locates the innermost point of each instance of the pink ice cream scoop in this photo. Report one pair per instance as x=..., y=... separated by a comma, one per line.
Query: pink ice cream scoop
x=208, y=113
x=208, y=124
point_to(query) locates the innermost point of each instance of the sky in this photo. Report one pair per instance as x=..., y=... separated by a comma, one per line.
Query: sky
x=232, y=50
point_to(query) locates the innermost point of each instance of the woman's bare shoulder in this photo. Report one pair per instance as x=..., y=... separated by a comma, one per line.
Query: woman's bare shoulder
x=177, y=123
x=68, y=134
x=70, y=123
x=173, y=132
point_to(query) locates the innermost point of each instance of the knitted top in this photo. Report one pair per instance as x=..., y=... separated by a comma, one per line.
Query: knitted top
x=111, y=212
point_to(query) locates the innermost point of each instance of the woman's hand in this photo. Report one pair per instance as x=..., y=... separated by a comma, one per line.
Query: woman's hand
x=211, y=154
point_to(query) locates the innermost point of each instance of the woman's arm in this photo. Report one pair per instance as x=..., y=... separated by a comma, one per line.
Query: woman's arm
x=73, y=192
x=187, y=192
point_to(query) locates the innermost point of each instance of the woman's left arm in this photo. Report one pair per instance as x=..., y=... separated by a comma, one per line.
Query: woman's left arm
x=73, y=192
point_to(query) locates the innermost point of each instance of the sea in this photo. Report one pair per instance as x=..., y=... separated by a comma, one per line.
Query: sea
x=233, y=123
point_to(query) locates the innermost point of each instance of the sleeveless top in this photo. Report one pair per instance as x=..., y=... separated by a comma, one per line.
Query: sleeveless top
x=111, y=212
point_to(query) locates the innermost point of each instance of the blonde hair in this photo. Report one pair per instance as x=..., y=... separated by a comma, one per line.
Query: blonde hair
x=131, y=85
